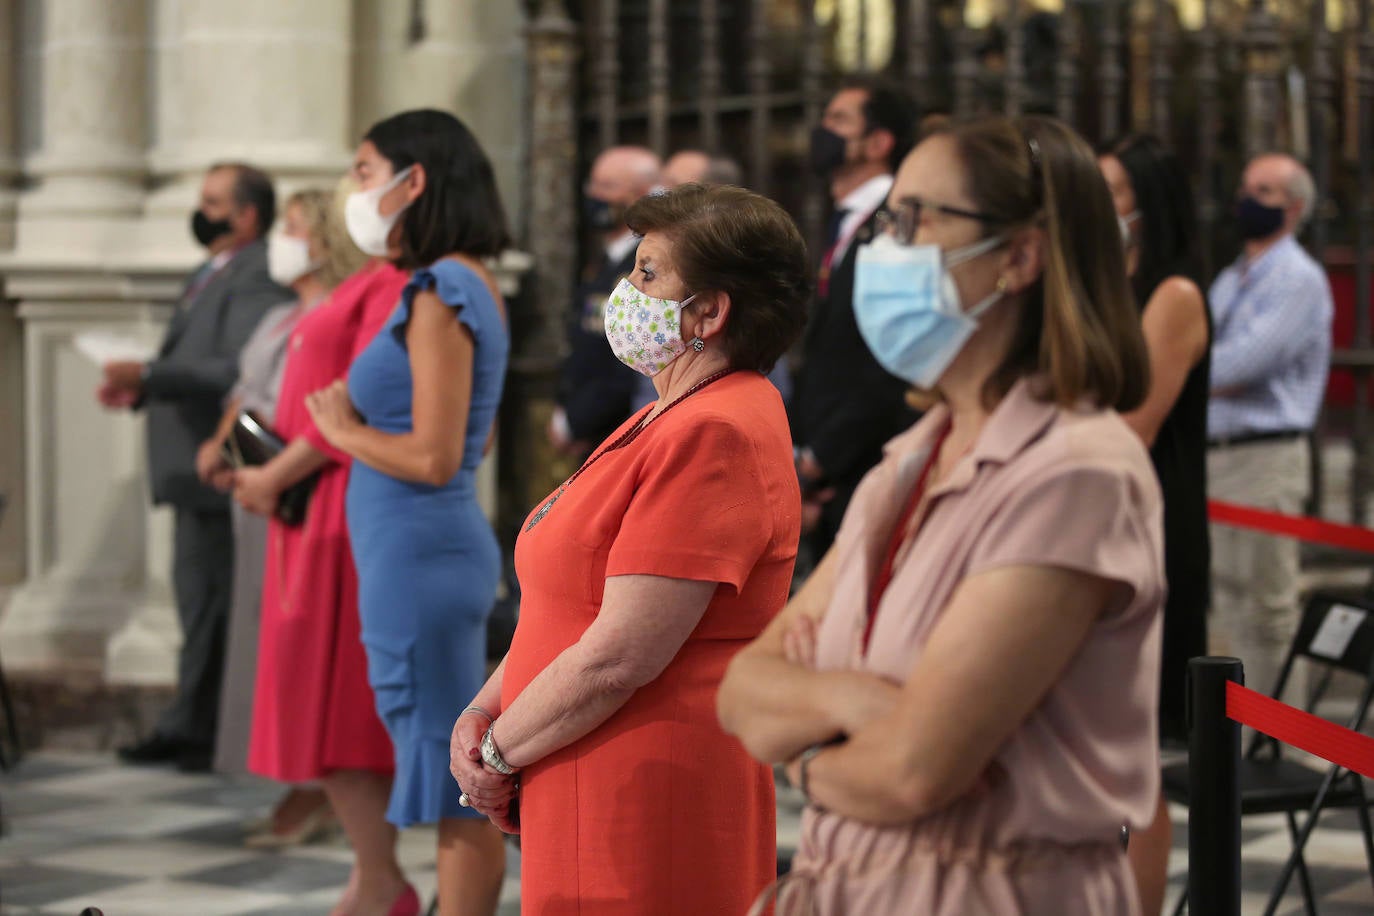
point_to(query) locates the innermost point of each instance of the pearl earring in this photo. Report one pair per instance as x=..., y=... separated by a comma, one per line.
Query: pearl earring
x=698, y=344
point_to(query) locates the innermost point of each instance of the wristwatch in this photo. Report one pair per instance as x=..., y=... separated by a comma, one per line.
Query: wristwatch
x=491, y=754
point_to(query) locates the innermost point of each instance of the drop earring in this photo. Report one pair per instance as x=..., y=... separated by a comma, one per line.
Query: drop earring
x=698, y=344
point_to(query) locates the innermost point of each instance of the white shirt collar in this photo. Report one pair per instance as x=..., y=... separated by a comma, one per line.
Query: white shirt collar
x=859, y=204
x=619, y=249
x=868, y=196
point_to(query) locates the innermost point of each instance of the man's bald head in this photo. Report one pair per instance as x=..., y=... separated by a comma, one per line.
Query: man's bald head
x=624, y=171
x=1279, y=180
x=684, y=166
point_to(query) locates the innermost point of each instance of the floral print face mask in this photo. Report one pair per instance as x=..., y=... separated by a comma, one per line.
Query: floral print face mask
x=645, y=333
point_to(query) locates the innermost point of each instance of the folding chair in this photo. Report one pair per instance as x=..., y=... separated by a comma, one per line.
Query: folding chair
x=1336, y=633
x=7, y=706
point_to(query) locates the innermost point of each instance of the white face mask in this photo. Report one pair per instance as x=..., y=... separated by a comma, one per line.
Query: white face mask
x=369, y=229
x=288, y=258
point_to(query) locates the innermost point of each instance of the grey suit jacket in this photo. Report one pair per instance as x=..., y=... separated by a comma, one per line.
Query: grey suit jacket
x=197, y=365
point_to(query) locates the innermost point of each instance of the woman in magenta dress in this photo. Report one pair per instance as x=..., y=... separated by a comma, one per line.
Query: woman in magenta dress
x=314, y=717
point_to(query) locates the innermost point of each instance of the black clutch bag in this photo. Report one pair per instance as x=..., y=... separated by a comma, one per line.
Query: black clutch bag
x=251, y=443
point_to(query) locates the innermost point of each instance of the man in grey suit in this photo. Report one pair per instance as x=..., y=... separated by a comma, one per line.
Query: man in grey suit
x=183, y=390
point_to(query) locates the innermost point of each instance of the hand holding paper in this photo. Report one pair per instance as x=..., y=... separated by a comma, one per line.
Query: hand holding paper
x=104, y=347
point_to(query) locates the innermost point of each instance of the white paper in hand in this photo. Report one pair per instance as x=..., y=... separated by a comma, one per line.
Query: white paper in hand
x=102, y=347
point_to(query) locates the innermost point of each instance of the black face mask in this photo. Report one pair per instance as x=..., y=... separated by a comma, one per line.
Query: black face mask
x=827, y=151
x=208, y=231
x=601, y=215
x=1257, y=221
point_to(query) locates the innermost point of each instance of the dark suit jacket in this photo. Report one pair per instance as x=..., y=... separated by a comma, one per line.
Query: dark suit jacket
x=196, y=367
x=845, y=406
x=596, y=390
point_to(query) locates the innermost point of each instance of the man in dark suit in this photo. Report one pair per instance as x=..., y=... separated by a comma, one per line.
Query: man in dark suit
x=845, y=406
x=182, y=390
x=596, y=390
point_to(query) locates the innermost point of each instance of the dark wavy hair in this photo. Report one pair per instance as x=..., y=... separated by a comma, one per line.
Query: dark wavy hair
x=1168, y=229
x=729, y=240
x=252, y=188
x=888, y=106
x=460, y=209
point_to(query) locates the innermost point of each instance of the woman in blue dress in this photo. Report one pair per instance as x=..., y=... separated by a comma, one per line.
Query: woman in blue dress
x=416, y=414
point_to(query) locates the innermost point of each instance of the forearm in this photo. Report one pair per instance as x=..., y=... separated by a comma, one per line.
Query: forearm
x=226, y=422
x=565, y=702
x=489, y=697
x=212, y=376
x=857, y=780
x=777, y=708
x=295, y=463
x=401, y=455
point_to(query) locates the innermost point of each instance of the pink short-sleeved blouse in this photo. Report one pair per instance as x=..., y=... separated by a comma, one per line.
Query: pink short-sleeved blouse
x=1042, y=486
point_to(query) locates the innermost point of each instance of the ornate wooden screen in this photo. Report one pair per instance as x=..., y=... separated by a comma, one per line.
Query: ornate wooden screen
x=1218, y=80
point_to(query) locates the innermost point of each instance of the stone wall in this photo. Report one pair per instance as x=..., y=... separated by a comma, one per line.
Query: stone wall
x=109, y=114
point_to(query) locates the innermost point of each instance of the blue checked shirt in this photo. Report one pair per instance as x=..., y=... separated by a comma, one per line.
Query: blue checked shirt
x=1271, y=347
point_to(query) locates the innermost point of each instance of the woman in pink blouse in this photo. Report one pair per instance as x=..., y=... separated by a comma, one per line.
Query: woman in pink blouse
x=965, y=688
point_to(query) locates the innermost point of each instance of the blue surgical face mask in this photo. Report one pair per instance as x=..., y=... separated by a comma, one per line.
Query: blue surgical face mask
x=908, y=308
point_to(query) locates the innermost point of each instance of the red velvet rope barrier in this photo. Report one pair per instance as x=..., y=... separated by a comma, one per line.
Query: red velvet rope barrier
x=1301, y=527
x=1303, y=730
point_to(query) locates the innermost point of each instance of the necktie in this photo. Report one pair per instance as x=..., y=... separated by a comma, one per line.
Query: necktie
x=832, y=239
x=198, y=283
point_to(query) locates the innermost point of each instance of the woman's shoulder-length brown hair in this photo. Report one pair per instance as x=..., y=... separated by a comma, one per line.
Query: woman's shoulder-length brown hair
x=1079, y=327
x=726, y=239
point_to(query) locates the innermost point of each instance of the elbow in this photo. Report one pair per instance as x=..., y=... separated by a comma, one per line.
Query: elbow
x=733, y=708
x=437, y=469
x=617, y=676
x=919, y=790
x=913, y=797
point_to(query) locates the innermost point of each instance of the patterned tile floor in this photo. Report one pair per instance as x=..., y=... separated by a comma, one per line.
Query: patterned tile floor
x=83, y=830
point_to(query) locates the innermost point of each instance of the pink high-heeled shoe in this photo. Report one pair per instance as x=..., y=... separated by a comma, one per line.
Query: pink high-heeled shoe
x=408, y=904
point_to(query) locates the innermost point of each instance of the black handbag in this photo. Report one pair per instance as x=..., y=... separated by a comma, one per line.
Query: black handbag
x=251, y=443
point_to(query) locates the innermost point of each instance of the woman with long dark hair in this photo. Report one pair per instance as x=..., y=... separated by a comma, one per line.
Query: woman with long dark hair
x=1155, y=203
x=415, y=415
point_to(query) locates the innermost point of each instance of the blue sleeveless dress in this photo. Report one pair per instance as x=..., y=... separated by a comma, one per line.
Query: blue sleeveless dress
x=428, y=560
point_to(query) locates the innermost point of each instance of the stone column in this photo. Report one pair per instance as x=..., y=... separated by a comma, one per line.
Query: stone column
x=87, y=520
x=9, y=122
x=11, y=449
x=463, y=56
x=259, y=81
x=89, y=164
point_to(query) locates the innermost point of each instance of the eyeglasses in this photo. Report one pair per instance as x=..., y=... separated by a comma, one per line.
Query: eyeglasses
x=905, y=218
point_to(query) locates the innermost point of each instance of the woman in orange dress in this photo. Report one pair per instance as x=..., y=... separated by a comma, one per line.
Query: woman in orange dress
x=641, y=576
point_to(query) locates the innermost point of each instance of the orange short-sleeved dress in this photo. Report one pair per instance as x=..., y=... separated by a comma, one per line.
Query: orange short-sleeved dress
x=658, y=811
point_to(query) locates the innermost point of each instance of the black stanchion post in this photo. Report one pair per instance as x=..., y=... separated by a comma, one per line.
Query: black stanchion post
x=1214, y=790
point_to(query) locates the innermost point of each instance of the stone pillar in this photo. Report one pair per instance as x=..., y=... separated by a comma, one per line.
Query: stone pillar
x=11, y=449
x=89, y=164
x=87, y=521
x=466, y=57
x=255, y=80
x=1262, y=100
x=9, y=123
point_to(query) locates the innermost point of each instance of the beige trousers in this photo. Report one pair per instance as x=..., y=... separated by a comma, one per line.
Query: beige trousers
x=1255, y=575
